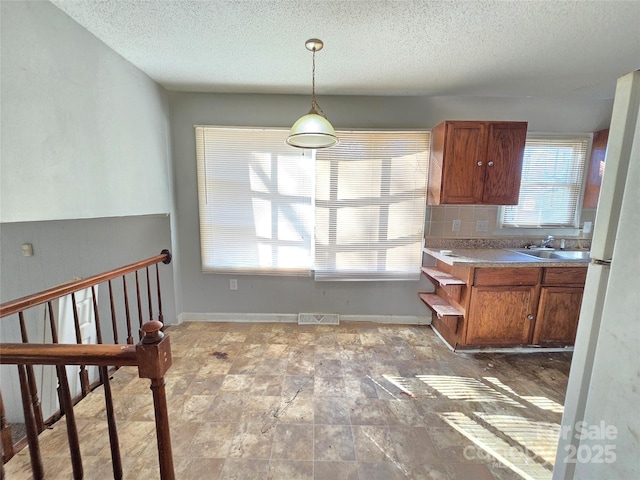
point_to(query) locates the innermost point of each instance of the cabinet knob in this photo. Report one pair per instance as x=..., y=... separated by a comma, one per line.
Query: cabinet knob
x=529, y=317
x=479, y=164
x=490, y=164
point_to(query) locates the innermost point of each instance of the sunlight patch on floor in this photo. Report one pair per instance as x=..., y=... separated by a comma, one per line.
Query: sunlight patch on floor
x=467, y=389
x=540, y=438
x=543, y=403
x=488, y=443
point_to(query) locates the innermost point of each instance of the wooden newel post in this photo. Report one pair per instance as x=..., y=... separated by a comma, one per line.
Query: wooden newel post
x=154, y=359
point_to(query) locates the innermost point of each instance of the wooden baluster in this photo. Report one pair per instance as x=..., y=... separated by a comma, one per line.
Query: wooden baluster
x=139, y=306
x=30, y=424
x=114, y=323
x=84, y=374
x=96, y=315
x=52, y=323
x=66, y=405
x=126, y=310
x=116, y=461
x=33, y=388
x=5, y=432
x=149, y=295
x=160, y=316
x=166, y=261
x=154, y=359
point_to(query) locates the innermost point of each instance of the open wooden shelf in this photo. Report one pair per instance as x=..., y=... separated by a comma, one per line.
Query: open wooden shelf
x=451, y=285
x=439, y=305
x=443, y=278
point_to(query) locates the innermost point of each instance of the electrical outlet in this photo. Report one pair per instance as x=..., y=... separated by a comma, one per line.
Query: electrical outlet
x=482, y=225
x=586, y=227
x=233, y=284
x=456, y=225
x=27, y=250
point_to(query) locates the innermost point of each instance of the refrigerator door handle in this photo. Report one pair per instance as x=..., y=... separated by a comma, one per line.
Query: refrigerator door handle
x=597, y=261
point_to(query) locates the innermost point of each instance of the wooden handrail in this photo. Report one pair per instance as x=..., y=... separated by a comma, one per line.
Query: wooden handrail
x=67, y=354
x=21, y=304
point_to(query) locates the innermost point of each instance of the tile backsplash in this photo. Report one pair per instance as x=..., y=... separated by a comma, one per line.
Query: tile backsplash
x=475, y=221
x=440, y=220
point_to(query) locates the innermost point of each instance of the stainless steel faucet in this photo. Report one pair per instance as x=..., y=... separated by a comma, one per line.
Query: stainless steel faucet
x=547, y=241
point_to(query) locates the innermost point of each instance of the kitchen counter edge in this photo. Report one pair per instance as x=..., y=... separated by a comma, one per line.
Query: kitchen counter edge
x=497, y=257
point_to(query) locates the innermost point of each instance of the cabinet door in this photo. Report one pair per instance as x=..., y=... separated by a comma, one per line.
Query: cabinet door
x=505, y=149
x=558, y=315
x=463, y=167
x=501, y=315
x=596, y=169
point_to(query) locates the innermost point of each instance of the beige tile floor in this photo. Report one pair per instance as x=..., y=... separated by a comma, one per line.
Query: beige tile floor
x=355, y=401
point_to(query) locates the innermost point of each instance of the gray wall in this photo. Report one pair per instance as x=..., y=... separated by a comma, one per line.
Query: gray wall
x=65, y=249
x=202, y=293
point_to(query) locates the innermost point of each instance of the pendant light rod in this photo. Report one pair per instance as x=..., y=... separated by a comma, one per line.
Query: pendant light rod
x=314, y=45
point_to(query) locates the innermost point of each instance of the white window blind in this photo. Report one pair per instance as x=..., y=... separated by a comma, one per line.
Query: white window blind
x=256, y=202
x=370, y=206
x=552, y=173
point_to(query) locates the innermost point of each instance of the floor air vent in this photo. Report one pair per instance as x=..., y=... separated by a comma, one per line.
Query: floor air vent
x=318, y=319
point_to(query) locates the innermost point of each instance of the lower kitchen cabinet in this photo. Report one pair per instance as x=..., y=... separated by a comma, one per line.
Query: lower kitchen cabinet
x=505, y=307
x=558, y=314
x=500, y=316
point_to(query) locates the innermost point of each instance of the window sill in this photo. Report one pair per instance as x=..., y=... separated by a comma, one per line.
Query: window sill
x=537, y=231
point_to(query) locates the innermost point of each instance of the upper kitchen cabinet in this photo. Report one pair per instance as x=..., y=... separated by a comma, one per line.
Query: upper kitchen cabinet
x=596, y=169
x=476, y=162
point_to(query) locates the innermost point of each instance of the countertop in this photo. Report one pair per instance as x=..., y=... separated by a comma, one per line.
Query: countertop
x=498, y=257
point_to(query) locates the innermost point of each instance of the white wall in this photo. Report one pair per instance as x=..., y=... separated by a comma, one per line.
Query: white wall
x=84, y=136
x=84, y=133
x=84, y=161
x=202, y=293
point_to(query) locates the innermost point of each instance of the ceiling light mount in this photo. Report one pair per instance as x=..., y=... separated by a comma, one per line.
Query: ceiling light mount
x=313, y=130
x=314, y=44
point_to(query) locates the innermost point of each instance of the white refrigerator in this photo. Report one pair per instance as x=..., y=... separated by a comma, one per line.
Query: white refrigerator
x=600, y=433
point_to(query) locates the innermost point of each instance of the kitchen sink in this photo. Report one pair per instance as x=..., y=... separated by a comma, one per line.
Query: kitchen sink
x=578, y=255
x=539, y=253
x=573, y=254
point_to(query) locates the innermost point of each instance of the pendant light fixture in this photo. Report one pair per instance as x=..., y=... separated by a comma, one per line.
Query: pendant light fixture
x=313, y=130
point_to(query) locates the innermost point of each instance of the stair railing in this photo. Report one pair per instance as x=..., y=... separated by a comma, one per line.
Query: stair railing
x=152, y=356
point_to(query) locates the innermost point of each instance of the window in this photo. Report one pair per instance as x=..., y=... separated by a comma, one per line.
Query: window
x=255, y=197
x=552, y=174
x=351, y=212
x=370, y=206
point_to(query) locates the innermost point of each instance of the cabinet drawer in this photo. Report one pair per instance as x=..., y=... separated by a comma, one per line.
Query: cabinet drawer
x=506, y=276
x=564, y=276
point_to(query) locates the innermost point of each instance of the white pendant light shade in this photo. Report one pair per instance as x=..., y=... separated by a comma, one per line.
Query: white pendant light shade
x=313, y=130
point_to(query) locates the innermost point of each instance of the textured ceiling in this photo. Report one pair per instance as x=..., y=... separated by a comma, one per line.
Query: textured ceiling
x=375, y=47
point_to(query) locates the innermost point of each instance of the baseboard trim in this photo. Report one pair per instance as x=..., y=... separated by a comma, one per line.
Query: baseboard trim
x=239, y=317
x=389, y=319
x=293, y=318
